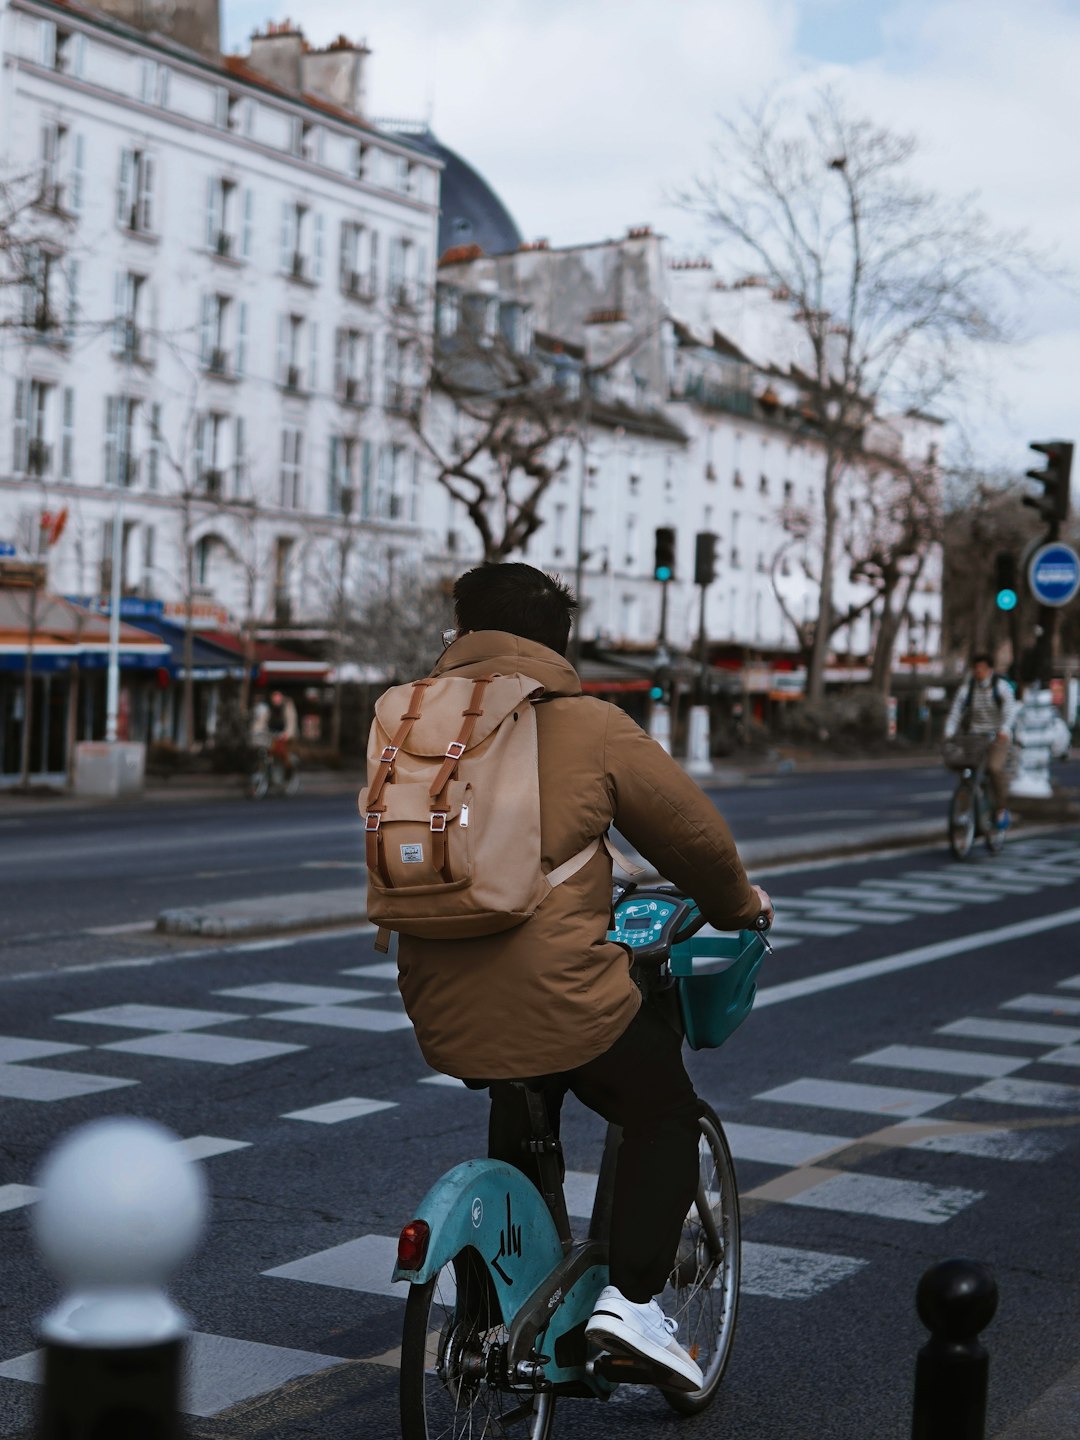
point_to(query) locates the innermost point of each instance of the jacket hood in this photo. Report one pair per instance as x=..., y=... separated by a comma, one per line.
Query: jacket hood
x=486, y=652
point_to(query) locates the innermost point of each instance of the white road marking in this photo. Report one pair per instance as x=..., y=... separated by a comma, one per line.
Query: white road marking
x=1067, y=1055
x=364, y=1264
x=203, y=1147
x=334, y=1111
x=1021, y=1032
x=952, y=1138
x=351, y=1017
x=214, y=1049
x=1044, y=1004
x=861, y=1099
x=780, y=1147
x=906, y=959
x=31, y=1082
x=384, y=970
x=14, y=1197
x=450, y=1081
x=152, y=1017
x=1036, y=1093
x=887, y=1199
x=14, y=1048
x=941, y=1061
x=579, y=1187
x=283, y=994
x=1073, y=983
x=784, y=1273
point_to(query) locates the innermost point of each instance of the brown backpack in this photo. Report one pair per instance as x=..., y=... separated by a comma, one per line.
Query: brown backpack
x=452, y=809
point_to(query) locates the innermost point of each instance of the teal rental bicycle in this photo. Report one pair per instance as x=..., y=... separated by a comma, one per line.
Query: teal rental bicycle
x=500, y=1287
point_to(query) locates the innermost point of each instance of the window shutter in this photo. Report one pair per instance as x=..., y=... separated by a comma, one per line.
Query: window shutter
x=150, y=336
x=339, y=362
x=333, y=497
x=206, y=329
x=288, y=217
x=199, y=446
x=414, y=495
x=78, y=169
x=48, y=44
x=365, y=479
x=112, y=406
x=239, y=444
x=344, y=267
x=213, y=211
x=153, y=474
x=119, y=310
x=78, y=62
x=124, y=189
x=248, y=224
x=221, y=109
x=282, y=348
x=313, y=357
x=240, y=365
x=318, y=247
x=72, y=299
x=19, y=452
x=67, y=434
x=373, y=260
x=146, y=195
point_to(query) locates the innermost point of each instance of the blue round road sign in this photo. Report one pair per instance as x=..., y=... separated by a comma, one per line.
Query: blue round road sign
x=1054, y=574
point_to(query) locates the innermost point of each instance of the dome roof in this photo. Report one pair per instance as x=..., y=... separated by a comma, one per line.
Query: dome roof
x=472, y=214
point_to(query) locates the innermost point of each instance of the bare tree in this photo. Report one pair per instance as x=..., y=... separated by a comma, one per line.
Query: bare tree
x=890, y=285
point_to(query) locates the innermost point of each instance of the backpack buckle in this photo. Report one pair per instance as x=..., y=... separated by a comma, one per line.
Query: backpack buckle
x=372, y=821
x=389, y=755
x=438, y=822
x=455, y=750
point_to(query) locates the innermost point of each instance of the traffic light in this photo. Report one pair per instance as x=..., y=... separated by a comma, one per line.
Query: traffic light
x=1053, y=503
x=705, y=558
x=664, y=564
x=660, y=690
x=1005, y=595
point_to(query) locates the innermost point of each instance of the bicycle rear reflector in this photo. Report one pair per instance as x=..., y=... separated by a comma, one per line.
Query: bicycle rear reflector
x=412, y=1245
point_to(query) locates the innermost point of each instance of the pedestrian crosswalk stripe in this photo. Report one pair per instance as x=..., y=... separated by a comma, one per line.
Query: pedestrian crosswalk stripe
x=862, y=1099
x=1010, y=1091
x=384, y=970
x=882, y=1196
x=450, y=1081
x=780, y=1147
x=207, y=1049
x=782, y=1272
x=364, y=1264
x=987, y=883
x=283, y=994
x=153, y=1017
x=954, y=1138
x=795, y=924
x=1067, y=1055
x=14, y=1197
x=204, y=1147
x=942, y=1061
x=33, y=1082
x=344, y=1017
x=14, y=1048
x=579, y=1187
x=332, y=1112
x=1021, y=1031
x=1073, y=983
x=1046, y=1004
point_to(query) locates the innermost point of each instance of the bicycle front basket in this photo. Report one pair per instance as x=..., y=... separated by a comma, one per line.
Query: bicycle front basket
x=716, y=977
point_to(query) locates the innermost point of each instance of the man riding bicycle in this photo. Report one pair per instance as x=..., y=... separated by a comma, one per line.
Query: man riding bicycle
x=552, y=1000
x=985, y=706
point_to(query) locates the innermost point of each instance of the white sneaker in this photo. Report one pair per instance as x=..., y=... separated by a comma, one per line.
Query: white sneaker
x=645, y=1331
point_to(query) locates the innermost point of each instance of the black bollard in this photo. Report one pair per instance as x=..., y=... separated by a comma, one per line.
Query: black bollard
x=121, y=1207
x=955, y=1300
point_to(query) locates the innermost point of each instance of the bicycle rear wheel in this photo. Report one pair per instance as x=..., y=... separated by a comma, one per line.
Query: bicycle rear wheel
x=703, y=1290
x=994, y=837
x=962, y=820
x=453, y=1382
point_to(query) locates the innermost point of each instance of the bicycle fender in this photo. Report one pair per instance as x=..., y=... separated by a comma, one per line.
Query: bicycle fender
x=492, y=1208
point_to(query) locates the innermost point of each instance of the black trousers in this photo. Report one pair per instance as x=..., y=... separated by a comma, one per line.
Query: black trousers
x=641, y=1084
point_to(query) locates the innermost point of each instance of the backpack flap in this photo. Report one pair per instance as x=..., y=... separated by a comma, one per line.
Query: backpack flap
x=417, y=847
x=446, y=703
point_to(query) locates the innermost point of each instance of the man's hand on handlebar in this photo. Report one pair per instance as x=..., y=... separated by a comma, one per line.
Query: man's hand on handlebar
x=766, y=904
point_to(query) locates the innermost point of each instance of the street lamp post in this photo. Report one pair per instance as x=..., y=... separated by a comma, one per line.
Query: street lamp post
x=112, y=687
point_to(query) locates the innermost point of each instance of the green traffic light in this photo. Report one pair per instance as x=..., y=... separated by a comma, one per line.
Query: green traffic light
x=663, y=572
x=656, y=693
x=1006, y=600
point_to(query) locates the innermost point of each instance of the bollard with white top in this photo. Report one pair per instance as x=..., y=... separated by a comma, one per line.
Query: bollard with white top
x=121, y=1208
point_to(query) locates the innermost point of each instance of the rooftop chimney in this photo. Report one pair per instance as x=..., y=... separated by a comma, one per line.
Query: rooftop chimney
x=277, y=54
x=337, y=74
x=195, y=23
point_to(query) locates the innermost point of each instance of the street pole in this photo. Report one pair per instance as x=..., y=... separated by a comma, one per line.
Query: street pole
x=703, y=654
x=112, y=689
x=28, y=670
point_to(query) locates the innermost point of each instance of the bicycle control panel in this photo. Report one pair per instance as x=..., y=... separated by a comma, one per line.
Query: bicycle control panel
x=648, y=920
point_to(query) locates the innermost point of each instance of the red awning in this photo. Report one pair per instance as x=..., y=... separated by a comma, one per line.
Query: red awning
x=272, y=661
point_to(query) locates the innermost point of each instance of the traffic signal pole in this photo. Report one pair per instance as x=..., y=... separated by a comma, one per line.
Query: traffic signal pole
x=1053, y=507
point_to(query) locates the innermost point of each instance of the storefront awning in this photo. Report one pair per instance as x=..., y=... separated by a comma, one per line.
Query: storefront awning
x=209, y=661
x=272, y=662
x=67, y=637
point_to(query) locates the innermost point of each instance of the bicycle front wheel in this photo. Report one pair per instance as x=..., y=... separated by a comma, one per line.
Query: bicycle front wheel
x=962, y=820
x=994, y=837
x=703, y=1290
x=453, y=1382
x=258, y=784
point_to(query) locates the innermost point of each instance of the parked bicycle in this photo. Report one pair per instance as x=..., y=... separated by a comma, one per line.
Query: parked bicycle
x=274, y=771
x=500, y=1287
x=971, y=809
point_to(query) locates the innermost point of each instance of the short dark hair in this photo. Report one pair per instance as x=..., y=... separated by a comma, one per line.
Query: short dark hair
x=982, y=657
x=516, y=598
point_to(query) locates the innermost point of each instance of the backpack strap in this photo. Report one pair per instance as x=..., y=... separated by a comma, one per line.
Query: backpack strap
x=440, y=786
x=373, y=811
x=581, y=859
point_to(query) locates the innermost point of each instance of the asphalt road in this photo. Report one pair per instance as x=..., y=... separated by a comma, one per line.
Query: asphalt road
x=903, y=987
x=70, y=872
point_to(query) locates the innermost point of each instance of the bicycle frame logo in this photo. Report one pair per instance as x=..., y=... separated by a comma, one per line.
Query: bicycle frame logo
x=477, y=1212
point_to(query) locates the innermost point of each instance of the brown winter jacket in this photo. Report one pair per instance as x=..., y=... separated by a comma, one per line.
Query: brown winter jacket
x=554, y=993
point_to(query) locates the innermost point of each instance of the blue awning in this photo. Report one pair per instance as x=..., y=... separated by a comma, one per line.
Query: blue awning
x=208, y=661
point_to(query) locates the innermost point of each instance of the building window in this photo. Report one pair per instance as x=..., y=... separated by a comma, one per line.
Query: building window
x=301, y=243
x=352, y=367
x=61, y=165
x=122, y=413
x=229, y=219
x=763, y=485
x=292, y=448
x=358, y=261
x=135, y=193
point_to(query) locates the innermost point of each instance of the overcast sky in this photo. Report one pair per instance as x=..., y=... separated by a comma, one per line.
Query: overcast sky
x=584, y=115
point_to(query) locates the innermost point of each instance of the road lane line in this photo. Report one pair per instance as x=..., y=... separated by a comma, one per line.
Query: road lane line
x=862, y=1099
x=1021, y=1032
x=1043, y=1004
x=907, y=959
x=939, y=1061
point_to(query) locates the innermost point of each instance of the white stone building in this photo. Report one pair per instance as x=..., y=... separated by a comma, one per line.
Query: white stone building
x=212, y=258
